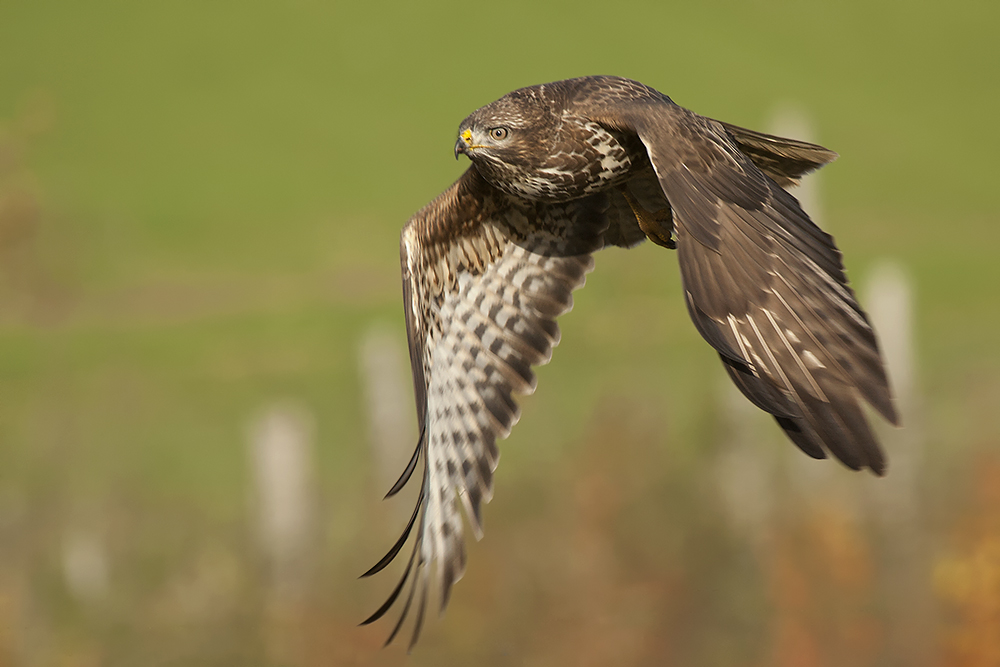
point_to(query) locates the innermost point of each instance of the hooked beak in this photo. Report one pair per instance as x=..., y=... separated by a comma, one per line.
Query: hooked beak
x=464, y=143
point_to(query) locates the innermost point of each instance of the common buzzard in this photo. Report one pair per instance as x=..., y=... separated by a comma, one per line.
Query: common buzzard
x=559, y=171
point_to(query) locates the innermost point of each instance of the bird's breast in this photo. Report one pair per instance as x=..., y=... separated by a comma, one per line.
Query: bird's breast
x=584, y=158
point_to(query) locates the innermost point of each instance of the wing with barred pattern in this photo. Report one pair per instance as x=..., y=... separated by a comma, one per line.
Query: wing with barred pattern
x=484, y=278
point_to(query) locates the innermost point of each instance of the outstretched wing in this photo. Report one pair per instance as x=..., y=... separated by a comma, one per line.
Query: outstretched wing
x=484, y=278
x=764, y=285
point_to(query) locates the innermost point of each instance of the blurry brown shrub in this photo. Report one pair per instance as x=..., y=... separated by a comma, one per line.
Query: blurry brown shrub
x=968, y=579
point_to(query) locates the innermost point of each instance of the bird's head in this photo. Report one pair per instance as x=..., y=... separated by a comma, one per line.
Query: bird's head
x=508, y=139
x=531, y=144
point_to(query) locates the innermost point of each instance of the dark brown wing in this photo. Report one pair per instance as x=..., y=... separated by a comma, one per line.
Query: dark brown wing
x=764, y=285
x=484, y=278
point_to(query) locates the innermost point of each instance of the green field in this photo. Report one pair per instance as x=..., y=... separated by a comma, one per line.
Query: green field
x=199, y=214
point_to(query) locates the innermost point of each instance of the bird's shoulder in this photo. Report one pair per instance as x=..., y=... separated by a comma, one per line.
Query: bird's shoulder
x=457, y=212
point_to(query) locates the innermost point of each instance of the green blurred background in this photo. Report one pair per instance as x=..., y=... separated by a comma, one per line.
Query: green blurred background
x=199, y=215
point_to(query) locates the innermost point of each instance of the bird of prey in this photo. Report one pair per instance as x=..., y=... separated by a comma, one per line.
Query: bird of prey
x=559, y=171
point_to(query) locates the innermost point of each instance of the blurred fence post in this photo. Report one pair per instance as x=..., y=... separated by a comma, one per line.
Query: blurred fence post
x=889, y=300
x=281, y=453
x=746, y=470
x=85, y=564
x=385, y=379
x=896, y=498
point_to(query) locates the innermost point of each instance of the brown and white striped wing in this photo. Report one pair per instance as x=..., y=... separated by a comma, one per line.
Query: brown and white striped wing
x=483, y=281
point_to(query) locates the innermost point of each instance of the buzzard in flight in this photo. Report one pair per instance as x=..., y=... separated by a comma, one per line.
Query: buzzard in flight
x=559, y=171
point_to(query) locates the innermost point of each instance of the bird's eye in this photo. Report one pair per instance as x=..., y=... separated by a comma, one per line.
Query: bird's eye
x=499, y=133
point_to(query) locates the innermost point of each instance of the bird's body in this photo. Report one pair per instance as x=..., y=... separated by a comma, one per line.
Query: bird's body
x=559, y=171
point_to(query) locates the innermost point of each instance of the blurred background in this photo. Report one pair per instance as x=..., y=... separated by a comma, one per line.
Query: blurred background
x=204, y=390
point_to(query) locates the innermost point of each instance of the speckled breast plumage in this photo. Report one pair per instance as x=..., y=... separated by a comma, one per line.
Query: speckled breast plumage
x=586, y=158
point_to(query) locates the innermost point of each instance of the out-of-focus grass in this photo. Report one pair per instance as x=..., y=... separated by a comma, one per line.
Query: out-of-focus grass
x=208, y=197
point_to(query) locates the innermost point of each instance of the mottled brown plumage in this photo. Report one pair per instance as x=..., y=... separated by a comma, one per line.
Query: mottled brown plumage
x=558, y=172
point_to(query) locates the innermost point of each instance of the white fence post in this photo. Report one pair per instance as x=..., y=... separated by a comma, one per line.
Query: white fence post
x=385, y=379
x=896, y=498
x=281, y=454
x=85, y=564
x=889, y=300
